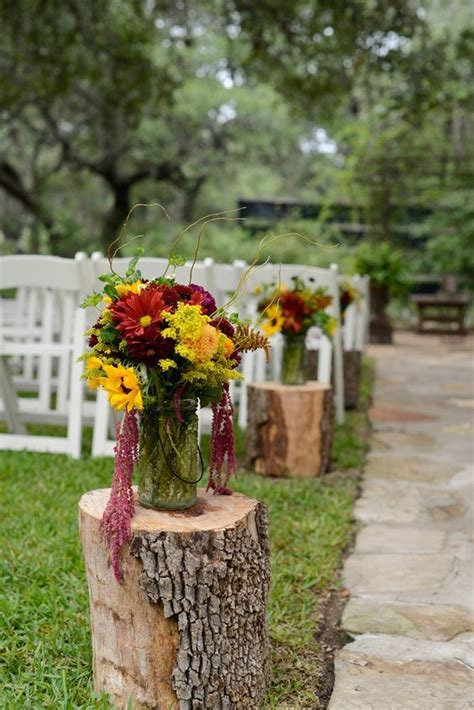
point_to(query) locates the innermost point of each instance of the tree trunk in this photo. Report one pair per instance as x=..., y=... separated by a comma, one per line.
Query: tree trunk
x=290, y=428
x=191, y=192
x=116, y=215
x=187, y=628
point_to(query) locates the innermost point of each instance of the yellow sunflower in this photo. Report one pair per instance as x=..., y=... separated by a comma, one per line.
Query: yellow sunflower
x=123, y=387
x=122, y=289
x=274, y=322
x=93, y=380
x=332, y=326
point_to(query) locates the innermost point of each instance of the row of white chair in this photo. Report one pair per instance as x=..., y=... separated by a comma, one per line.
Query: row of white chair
x=42, y=327
x=42, y=336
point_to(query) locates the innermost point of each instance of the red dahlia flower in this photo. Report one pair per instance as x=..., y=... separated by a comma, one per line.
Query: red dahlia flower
x=138, y=314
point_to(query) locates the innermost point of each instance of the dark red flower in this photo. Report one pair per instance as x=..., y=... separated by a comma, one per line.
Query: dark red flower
x=137, y=315
x=197, y=296
x=169, y=294
x=139, y=319
x=224, y=326
x=149, y=351
x=207, y=302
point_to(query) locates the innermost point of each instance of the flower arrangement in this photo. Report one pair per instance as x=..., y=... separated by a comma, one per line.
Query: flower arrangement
x=293, y=311
x=348, y=293
x=157, y=346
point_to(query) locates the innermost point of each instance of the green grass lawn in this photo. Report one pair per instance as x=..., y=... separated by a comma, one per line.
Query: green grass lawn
x=45, y=648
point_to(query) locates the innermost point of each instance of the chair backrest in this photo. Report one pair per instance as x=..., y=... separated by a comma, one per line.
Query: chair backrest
x=285, y=273
x=226, y=279
x=37, y=271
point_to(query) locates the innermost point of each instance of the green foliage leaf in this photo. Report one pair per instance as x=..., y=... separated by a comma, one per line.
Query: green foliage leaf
x=131, y=272
x=177, y=260
x=111, y=291
x=108, y=278
x=92, y=300
x=108, y=334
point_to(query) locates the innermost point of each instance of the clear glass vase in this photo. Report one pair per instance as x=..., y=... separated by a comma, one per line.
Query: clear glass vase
x=169, y=463
x=293, y=365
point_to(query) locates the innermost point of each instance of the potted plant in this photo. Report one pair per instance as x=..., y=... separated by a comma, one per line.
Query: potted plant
x=387, y=271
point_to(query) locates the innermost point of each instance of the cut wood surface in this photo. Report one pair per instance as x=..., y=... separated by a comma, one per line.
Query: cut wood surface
x=290, y=428
x=187, y=629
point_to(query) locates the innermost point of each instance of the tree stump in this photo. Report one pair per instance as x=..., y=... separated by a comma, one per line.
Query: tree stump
x=352, y=369
x=352, y=363
x=290, y=428
x=187, y=628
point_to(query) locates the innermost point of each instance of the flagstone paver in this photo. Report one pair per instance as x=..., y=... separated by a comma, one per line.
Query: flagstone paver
x=410, y=576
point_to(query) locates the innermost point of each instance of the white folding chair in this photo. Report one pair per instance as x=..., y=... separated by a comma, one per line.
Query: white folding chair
x=26, y=323
x=55, y=286
x=362, y=283
x=17, y=438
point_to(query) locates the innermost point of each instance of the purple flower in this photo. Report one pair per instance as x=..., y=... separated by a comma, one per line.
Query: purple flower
x=208, y=304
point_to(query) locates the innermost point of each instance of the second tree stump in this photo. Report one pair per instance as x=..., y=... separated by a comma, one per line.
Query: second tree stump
x=352, y=369
x=290, y=428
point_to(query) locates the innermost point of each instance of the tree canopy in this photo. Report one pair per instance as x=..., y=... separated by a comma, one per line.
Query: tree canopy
x=111, y=102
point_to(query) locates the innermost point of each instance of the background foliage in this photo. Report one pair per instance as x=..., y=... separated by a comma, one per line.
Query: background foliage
x=363, y=107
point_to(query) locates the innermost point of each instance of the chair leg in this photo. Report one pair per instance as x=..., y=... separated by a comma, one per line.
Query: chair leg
x=10, y=400
x=248, y=360
x=101, y=424
x=74, y=428
x=338, y=378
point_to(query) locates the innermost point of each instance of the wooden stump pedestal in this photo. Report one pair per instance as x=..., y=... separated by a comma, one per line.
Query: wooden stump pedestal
x=352, y=368
x=290, y=428
x=187, y=628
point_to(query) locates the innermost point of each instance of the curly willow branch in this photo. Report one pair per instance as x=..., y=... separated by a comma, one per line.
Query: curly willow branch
x=111, y=256
x=213, y=216
x=266, y=242
x=200, y=234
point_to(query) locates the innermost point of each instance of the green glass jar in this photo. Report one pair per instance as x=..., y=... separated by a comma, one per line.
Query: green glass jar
x=169, y=463
x=293, y=365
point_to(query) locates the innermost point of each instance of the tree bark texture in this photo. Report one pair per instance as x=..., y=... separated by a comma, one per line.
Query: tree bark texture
x=187, y=629
x=290, y=428
x=352, y=364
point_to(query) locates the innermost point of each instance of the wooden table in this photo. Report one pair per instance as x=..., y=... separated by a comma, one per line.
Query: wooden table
x=444, y=308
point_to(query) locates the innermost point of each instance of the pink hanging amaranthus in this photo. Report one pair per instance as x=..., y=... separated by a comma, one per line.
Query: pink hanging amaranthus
x=116, y=520
x=222, y=444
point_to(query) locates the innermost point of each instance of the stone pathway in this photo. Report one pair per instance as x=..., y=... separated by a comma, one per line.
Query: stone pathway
x=411, y=573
